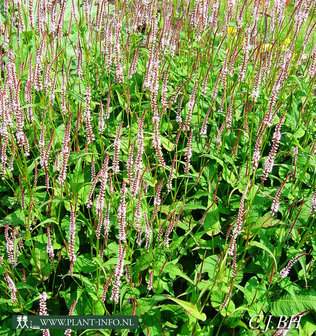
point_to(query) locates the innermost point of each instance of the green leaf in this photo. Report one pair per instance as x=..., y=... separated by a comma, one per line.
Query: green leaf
x=83, y=264
x=190, y=307
x=149, y=179
x=174, y=270
x=193, y=206
x=299, y=132
x=260, y=245
x=121, y=101
x=209, y=265
x=309, y=328
x=228, y=175
x=292, y=305
x=89, y=287
x=142, y=263
x=167, y=144
x=218, y=297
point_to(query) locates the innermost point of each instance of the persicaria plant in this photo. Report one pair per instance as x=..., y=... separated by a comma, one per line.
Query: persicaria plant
x=157, y=159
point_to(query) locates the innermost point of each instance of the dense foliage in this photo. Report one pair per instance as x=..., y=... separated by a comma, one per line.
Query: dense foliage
x=158, y=159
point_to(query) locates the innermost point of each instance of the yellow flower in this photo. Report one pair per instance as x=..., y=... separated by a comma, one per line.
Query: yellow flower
x=287, y=41
x=266, y=47
x=232, y=30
